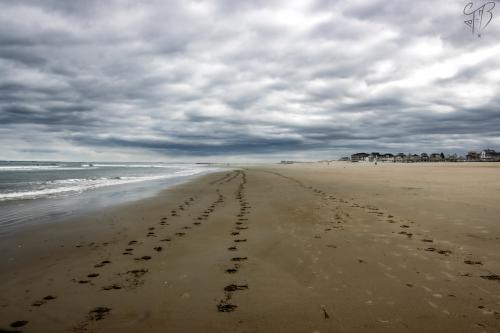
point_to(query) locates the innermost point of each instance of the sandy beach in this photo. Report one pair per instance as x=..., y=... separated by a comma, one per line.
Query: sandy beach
x=345, y=247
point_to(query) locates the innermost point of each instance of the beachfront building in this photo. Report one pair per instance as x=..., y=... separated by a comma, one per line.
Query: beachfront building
x=489, y=155
x=401, y=157
x=473, y=156
x=387, y=158
x=436, y=157
x=414, y=158
x=360, y=157
x=374, y=157
x=452, y=158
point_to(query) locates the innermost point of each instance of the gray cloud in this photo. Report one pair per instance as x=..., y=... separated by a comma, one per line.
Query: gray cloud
x=255, y=79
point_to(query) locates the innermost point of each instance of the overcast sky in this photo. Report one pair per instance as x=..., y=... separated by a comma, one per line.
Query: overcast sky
x=253, y=80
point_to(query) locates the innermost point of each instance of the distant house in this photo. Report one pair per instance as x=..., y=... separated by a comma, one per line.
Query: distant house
x=489, y=155
x=414, y=158
x=436, y=157
x=473, y=156
x=452, y=158
x=359, y=157
x=401, y=157
x=345, y=158
x=387, y=158
x=374, y=157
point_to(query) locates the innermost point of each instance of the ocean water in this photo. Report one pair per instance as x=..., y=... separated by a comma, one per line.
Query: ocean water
x=38, y=192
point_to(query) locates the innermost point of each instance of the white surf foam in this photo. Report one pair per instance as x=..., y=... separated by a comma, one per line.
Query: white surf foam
x=79, y=185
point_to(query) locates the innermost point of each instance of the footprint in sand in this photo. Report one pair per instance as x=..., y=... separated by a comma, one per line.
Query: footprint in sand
x=240, y=240
x=232, y=270
x=18, y=323
x=102, y=263
x=112, y=287
x=443, y=252
x=239, y=258
x=138, y=272
x=99, y=313
x=408, y=234
x=491, y=277
x=226, y=307
x=235, y=287
x=43, y=301
x=143, y=258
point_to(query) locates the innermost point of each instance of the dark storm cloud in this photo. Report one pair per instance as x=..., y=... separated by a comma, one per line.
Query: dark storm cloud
x=243, y=78
x=68, y=116
x=245, y=145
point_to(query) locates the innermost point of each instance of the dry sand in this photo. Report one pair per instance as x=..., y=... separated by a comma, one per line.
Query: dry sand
x=295, y=248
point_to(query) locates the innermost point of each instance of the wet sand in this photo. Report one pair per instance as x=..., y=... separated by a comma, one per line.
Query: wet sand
x=294, y=248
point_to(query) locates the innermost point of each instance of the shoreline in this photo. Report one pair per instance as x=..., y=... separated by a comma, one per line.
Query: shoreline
x=86, y=222
x=25, y=213
x=295, y=248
